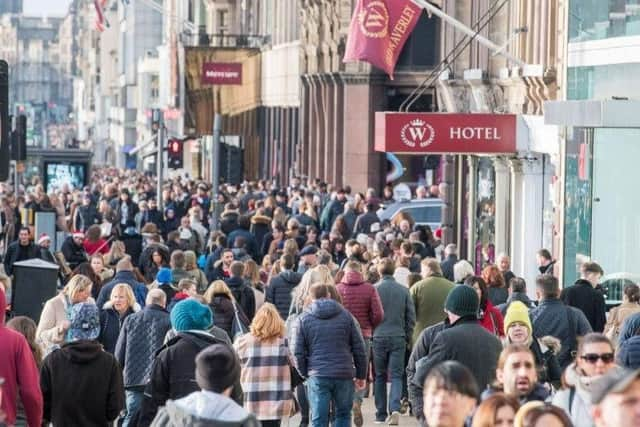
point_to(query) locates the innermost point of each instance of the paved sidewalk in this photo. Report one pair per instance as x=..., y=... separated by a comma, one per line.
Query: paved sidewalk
x=369, y=414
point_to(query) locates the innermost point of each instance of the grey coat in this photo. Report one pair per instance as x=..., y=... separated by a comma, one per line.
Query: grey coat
x=399, y=311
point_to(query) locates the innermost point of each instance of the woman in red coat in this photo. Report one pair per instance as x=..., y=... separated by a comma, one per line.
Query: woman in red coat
x=489, y=316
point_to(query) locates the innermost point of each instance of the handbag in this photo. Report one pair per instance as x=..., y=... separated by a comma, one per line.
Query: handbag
x=238, y=328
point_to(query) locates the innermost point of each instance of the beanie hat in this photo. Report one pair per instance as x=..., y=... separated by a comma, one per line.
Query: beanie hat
x=462, y=301
x=43, y=238
x=517, y=312
x=85, y=322
x=189, y=314
x=164, y=275
x=217, y=368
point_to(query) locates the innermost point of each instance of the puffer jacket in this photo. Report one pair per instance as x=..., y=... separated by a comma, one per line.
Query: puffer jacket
x=576, y=403
x=328, y=342
x=362, y=300
x=139, y=289
x=279, y=291
x=629, y=353
x=142, y=334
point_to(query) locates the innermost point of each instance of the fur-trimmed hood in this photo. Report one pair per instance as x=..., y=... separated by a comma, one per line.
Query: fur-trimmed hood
x=107, y=305
x=261, y=219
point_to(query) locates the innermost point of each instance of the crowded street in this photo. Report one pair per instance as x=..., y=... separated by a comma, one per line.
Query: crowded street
x=314, y=213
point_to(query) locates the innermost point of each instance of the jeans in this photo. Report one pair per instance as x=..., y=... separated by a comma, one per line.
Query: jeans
x=359, y=395
x=321, y=392
x=388, y=357
x=133, y=401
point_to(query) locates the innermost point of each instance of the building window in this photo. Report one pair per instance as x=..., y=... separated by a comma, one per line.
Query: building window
x=598, y=19
x=422, y=47
x=222, y=19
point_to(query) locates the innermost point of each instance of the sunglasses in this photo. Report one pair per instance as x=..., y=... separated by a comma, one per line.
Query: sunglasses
x=593, y=358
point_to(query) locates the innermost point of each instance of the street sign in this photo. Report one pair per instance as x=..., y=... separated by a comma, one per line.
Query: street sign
x=419, y=133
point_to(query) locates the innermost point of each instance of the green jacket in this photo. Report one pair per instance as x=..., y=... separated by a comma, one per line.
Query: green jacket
x=428, y=297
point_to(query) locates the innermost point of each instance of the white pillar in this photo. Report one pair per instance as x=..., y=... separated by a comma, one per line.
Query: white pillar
x=526, y=228
x=502, y=205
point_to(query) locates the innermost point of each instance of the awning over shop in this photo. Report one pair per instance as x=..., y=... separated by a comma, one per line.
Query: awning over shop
x=438, y=133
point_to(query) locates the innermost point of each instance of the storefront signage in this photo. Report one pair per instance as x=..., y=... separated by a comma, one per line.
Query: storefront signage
x=445, y=133
x=222, y=73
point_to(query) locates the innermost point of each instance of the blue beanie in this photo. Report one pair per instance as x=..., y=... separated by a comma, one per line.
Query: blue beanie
x=164, y=275
x=189, y=314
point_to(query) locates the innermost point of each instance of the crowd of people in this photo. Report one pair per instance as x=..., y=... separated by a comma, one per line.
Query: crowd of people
x=301, y=301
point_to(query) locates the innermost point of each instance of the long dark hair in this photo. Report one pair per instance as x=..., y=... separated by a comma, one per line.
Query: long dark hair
x=86, y=270
x=27, y=327
x=472, y=280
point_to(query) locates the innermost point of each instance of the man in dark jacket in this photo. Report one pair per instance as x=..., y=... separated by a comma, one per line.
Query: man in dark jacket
x=244, y=224
x=517, y=292
x=220, y=270
x=516, y=376
x=81, y=382
x=584, y=296
x=86, y=215
x=451, y=257
x=465, y=341
x=332, y=210
x=368, y=222
x=124, y=274
x=73, y=250
x=142, y=334
x=173, y=371
x=22, y=249
x=242, y=293
x=545, y=262
x=391, y=339
x=552, y=317
x=328, y=345
x=281, y=286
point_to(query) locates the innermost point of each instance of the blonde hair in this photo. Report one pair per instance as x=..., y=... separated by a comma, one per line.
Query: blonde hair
x=267, y=323
x=77, y=283
x=318, y=274
x=117, y=252
x=190, y=260
x=128, y=293
x=290, y=247
x=252, y=272
x=217, y=287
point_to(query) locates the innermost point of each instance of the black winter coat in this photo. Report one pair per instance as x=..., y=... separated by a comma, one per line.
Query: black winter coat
x=466, y=342
x=81, y=385
x=279, y=291
x=86, y=216
x=223, y=312
x=447, y=267
x=243, y=295
x=73, y=254
x=13, y=255
x=583, y=296
x=173, y=373
x=141, y=336
x=110, y=325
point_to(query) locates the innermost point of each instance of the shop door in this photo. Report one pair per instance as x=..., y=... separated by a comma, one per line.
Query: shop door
x=616, y=208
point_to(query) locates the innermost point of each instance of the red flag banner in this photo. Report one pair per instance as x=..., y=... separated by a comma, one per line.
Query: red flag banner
x=379, y=30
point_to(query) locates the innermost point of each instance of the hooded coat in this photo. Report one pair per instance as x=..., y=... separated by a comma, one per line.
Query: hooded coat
x=20, y=373
x=94, y=397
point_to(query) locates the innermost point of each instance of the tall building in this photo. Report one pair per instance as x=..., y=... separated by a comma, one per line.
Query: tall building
x=601, y=130
x=11, y=6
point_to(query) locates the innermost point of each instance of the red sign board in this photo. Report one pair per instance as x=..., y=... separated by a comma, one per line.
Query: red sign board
x=445, y=133
x=222, y=73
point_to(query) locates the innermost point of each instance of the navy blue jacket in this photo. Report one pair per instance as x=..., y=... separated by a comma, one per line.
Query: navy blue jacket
x=279, y=291
x=328, y=342
x=139, y=290
x=629, y=353
x=142, y=334
x=249, y=239
x=110, y=325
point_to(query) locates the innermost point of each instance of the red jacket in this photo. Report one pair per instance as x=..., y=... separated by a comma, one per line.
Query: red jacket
x=362, y=300
x=492, y=320
x=101, y=247
x=19, y=370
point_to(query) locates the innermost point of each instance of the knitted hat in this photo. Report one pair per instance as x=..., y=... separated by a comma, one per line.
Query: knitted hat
x=43, y=238
x=217, y=368
x=85, y=322
x=189, y=314
x=462, y=301
x=164, y=275
x=517, y=312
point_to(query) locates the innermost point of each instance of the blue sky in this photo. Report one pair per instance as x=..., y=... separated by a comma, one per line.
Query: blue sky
x=46, y=7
